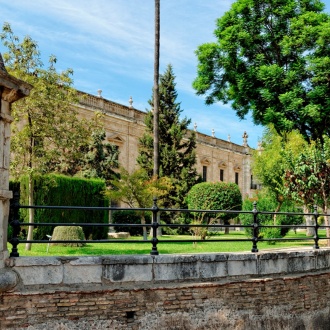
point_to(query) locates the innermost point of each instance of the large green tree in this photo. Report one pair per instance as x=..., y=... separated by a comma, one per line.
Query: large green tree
x=271, y=58
x=137, y=190
x=100, y=158
x=307, y=177
x=46, y=130
x=269, y=162
x=177, y=145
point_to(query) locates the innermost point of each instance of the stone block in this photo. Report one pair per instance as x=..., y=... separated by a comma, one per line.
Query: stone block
x=242, y=264
x=128, y=268
x=36, y=271
x=119, y=235
x=82, y=270
x=172, y=267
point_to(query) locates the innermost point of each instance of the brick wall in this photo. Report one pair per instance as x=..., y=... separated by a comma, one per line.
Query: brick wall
x=252, y=303
x=285, y=289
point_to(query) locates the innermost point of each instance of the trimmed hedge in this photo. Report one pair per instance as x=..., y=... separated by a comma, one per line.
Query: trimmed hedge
x=60, y=190
x=215, y=196
x=67, y=233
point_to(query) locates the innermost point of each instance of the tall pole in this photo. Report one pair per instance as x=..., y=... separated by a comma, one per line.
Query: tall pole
x=156, y=89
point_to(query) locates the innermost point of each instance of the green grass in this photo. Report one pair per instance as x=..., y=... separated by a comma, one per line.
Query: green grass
x=165, y=247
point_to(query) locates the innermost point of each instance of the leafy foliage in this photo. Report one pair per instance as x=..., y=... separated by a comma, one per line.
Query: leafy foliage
x=214, y=196
x=271, y=58
x=269, y=163
x=100, y=158
x=267, y=203
x=60, y=190
x=46, y=131
x=307, y=178
x=176, y=146
x=136, y=189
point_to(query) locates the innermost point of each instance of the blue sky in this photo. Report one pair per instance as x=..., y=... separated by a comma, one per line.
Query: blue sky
x=110, y=46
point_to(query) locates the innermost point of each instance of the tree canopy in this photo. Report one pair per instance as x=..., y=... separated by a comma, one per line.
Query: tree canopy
x=177, y=145
x=46, y=130
x=271, y=58
x=269, y=163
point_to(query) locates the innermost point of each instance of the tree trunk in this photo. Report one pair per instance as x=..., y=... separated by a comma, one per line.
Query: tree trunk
x=143, y=222
x=309, y=222
x=326, y=223
x=276, y=211
x=156, y=90
x=227, y=223
x=31, y=214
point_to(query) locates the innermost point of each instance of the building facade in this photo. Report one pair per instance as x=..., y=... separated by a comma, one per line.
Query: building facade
x=216, y=159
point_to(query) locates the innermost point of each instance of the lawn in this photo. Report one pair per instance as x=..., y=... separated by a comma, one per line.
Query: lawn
x=166, y=247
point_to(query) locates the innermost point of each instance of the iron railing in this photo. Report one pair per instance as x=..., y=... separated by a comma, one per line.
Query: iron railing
x=255, y=226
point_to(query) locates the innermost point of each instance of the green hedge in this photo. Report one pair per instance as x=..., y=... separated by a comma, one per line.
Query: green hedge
x=60, y=190
x=215, y=196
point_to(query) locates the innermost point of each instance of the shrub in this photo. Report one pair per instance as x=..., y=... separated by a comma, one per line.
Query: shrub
x=74, y=233
x=60, y=190
x=266, y=202
x=130, y=217
x=214, y=196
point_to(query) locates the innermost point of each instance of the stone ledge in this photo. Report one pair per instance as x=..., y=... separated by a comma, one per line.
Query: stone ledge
x=137, y=269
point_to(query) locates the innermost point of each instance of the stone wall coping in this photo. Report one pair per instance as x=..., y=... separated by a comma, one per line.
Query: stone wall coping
x=112, y=270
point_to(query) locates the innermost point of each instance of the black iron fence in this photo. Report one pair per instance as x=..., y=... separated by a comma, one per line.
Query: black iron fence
x=254, y=227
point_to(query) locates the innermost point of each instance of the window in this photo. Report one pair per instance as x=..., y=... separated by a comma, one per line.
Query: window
x=204, y=173
x=221, y=175
x=236, y=178
x=253, y=185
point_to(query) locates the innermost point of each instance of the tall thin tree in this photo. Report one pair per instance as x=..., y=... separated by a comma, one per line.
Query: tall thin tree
x=156, y=89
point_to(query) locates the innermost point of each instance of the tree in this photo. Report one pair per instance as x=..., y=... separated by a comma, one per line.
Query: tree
x=45, y=126
x=269, y=163
x=266, y=202
x=214, y=196
x=271, y=58
x=176, y=145
x=100, y=158
x=136, y=189
x=308, y=177
x=156, y=90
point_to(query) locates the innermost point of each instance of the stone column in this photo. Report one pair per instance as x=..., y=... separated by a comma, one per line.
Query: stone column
x=11, y=90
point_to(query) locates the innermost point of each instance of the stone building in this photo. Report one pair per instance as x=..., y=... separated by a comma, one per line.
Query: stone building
x=217, y=160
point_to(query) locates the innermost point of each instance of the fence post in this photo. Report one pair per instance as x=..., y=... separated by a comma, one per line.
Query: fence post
x=316, y=227
x=154, y=226
x=255, y=228
x=14, y=241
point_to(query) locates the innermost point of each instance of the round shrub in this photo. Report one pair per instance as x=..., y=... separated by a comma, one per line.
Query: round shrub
x=74, y=233
x=215, y=196
x=129, y=217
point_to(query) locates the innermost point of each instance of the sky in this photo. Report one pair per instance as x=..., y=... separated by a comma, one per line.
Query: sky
x=109, y=44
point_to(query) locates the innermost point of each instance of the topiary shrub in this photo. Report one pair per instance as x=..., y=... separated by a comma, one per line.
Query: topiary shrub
x=214, y=196
x=130, y=217
x=74, y=233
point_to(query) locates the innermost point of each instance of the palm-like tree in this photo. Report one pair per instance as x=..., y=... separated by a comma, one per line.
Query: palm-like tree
x=156, y=89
